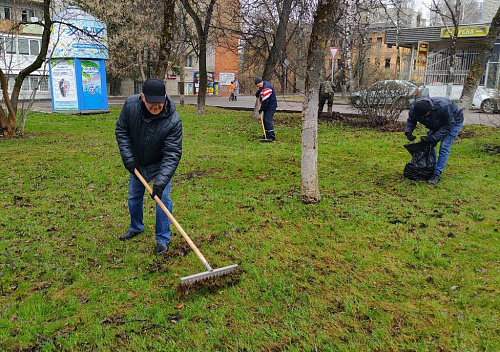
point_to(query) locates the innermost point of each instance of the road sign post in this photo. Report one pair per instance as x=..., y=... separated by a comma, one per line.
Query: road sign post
x=333, y=52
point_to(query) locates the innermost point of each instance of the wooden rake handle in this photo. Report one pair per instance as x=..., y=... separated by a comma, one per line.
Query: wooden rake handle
x=262, y=121
x=172, y=219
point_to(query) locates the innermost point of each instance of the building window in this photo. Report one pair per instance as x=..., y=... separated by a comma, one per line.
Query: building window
x=44, y=84
x=26, y=85
x=33, y=82
x=6, y=13
x=137, y=87
x=26, y=15
x=388, y=62
x=23, y=46
x=10, y=46
x=34, y=47
x=377, y=62
x=189, y=61
x=379, y=42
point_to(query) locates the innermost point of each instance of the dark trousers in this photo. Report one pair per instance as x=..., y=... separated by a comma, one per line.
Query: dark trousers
x=322, y=104
x=268, y=123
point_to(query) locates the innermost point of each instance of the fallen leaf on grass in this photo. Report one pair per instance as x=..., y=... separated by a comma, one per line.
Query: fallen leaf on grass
x=122, y=335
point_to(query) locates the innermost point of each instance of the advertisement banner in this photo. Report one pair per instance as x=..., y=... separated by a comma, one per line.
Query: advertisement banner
x=63, y=84
x=91, y=82
x=79, y=39
x=466, y=32
x=225, y=78
x=422, y=52
x=210, y=82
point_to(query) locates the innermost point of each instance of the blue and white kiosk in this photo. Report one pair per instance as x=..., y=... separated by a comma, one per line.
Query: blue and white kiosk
x=77, y=51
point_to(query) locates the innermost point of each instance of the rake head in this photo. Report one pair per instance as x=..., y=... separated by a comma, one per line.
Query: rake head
x=208, y=275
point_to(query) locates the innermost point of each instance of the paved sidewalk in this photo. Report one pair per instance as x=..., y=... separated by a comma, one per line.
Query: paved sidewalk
x=286, y=104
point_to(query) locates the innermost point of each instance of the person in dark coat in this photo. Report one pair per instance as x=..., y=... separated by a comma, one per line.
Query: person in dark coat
x=268, y=105
x=444, y=120
x=149, y=136
x=326, y=94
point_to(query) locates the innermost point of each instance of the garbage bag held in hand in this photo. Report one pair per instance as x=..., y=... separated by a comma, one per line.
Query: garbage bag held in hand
x=421, y=166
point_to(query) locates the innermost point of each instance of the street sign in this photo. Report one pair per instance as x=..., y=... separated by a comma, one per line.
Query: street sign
x=334, y=52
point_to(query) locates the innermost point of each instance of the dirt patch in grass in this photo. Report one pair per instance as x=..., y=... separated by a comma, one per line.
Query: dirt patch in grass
x=211, y=284
x=467, y=134
x=353, y=120
x=492, y=148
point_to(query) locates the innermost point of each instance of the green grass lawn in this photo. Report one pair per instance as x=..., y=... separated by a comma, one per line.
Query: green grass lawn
x=382, y=263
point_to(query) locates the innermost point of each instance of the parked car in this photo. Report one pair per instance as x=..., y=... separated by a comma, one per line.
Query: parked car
x=389, y=92
x=486, y=99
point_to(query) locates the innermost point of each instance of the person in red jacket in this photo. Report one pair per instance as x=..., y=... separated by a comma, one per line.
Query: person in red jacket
x=268, y=105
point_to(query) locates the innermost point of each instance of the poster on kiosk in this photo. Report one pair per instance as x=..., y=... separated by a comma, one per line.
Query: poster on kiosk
x=77, y=50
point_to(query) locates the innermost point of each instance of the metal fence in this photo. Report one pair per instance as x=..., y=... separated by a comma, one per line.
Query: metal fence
x=438, y=63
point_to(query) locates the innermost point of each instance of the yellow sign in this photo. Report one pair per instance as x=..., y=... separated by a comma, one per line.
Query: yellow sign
x=464, y=32
x=423, y=50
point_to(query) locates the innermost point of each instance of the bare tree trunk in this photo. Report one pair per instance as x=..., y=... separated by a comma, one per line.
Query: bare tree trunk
x=8, y=124
x=140, y=62
x=349, y=27
x=315, y=60
x=279, y=40
x=166, y=38
x=202, y=64
x=278, y=45
x=202, y=30
x=451, y=69
x=479, y=64
x=183, y=56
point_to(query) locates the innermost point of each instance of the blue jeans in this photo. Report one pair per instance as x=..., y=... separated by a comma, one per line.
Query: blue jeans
x=135, y=206
x=444, y=148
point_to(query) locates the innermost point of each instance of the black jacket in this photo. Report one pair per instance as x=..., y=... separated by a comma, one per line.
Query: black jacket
x=443, y=116
x=155, y=143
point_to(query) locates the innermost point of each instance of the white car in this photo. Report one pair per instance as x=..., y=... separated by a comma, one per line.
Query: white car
x=486, y=99
x=388, y=92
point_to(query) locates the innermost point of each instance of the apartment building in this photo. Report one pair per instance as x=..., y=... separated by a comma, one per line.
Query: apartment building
x=20, y=43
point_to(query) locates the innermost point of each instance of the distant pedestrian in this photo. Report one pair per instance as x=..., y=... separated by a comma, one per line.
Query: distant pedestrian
x=268, y=105
x=149, y=136
x=326, y=93
x=237, y=90
x=444, y=120
x=232, y=89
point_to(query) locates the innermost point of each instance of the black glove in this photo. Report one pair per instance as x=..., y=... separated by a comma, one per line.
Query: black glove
x=257, y=94
x=410, y=136
x=157, y=191
x=261, y=111
x=131, y=166
x=426, y=139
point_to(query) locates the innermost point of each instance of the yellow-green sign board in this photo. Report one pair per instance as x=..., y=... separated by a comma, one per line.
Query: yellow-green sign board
x=464, y=32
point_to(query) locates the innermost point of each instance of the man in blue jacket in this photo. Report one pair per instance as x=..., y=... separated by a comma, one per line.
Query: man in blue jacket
x=444, y=120
x=149, y=136
x=268, y=105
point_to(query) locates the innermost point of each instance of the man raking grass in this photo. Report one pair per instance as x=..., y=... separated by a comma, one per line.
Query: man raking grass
x=149, y=135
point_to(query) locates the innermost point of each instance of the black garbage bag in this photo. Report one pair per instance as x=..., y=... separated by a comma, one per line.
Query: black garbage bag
x=422, y=164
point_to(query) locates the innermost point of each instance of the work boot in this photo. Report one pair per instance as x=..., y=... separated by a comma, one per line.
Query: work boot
x=268, y=140
x=434, y=180
x=161, y=248
x=129, y=235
